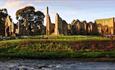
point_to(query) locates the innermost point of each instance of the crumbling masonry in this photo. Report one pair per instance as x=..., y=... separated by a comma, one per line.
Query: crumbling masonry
x=33, y=24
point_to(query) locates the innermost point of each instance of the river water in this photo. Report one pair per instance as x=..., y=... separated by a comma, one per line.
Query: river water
x=34, y=64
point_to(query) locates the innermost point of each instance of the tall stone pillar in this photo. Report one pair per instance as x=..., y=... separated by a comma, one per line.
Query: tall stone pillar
x=58, y=25
x=48, y=22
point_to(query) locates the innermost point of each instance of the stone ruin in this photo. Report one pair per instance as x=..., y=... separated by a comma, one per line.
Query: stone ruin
x=31, y=22
x=83, y=28
x=48, y=23
x=99, y=27
x=106, y=26
x=9, y=27
x=6, y=24
x=59, y=27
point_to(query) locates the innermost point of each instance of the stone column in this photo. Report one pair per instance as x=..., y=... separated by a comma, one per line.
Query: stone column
x=48, y=23
x=58, y=25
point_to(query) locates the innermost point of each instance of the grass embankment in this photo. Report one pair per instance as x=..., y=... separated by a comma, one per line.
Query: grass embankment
x=56, y=47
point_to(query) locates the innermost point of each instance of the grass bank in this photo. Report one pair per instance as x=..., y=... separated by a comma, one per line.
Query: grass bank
x=58, y=47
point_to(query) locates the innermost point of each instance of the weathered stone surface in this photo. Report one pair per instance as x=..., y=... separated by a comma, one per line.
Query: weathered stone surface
x=69, y=29
x=30, y=22
x=89, y=28
x=76, y=26
x=9, y=27
x=103, y=26
x=64, y=27
x=83, y=28
x=48, y=22
x=52, y=28
x=58, y=25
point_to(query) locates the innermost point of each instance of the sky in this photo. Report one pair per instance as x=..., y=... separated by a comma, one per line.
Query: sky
x=88, y=10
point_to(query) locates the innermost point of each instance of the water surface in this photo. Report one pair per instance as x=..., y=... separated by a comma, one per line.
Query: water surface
x=34, y=64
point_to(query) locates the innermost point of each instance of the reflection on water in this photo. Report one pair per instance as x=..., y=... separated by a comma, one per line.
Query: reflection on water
x=25, y=64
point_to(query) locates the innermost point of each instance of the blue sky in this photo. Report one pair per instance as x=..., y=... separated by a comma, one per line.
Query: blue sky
x=68, y=9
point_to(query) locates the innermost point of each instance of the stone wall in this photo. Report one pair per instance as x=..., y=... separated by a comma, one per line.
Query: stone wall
x=9, y=27
x=83, y=28
x=64, y=27
x=48, y=23
x=60, y=27
x=106, y=26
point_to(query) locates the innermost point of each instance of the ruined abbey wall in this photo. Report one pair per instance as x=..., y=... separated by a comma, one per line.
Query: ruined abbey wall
x=59, y=27
x=9, y=27
x=77, y=27
x=106, y=26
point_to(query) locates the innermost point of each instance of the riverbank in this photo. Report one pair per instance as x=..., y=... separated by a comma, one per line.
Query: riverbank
x=58, y=47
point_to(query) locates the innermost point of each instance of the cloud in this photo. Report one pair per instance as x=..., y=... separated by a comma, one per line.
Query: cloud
x=16, y=4
x=11, y=4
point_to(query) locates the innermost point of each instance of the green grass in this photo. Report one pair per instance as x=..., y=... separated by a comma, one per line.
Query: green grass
x=67, y=38
x=50, y=47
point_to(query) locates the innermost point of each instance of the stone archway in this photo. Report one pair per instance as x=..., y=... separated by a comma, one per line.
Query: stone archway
x=78, y=27
x=89, y=28
x=106, y=30
x=99, y=28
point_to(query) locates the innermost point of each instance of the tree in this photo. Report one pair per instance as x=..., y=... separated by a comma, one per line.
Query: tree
x=30, y=18
x=3, y=16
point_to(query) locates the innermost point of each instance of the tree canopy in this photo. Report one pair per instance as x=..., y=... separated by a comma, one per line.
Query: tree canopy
x=27, y=13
